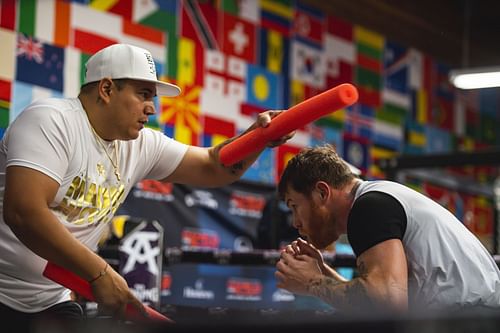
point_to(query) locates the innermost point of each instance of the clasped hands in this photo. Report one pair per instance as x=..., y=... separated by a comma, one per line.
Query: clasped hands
x=299, y=264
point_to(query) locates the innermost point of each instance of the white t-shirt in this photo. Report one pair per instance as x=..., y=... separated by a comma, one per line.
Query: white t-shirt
x=54, y=137
x=448, y=267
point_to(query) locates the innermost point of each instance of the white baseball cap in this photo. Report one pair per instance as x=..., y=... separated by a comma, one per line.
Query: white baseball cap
x=124, y=61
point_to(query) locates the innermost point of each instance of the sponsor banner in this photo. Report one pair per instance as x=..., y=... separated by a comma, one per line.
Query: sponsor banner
x=234, y=287
x=141, y=258
x=243, y=289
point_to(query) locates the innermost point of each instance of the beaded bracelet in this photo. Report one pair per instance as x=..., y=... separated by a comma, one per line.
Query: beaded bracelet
x=101, y=274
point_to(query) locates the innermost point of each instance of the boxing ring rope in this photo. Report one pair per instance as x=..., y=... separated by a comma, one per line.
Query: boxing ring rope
x=175, y=255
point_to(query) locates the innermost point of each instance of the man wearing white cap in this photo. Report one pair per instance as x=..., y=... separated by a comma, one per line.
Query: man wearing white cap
x=68, y=164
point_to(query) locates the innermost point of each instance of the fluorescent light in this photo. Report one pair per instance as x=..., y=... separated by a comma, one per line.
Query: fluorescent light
x=486, y=77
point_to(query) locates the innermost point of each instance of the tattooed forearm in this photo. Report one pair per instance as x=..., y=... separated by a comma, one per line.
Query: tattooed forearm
x=322, y=287
x=350, y=296
x=237, y=168
x=345, y=295
x=234, y=169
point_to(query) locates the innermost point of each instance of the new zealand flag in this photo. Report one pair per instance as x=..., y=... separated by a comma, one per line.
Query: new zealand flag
x=39, y=64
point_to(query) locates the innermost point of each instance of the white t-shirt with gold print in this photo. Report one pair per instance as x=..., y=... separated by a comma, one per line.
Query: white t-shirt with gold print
x=54, y=137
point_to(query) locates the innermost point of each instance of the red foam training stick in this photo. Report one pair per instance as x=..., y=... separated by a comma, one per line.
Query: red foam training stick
x=72, y=281
x=286, y=122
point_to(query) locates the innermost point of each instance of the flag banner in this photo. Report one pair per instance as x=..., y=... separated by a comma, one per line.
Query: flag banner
x=263, y=169
x=439, y=194
x=388, y=135
x=225, y=75
x=216, y=130
x=340, y=60
x=46, y=60
x=24, y=94
x=277, y=15
x=246, y=9
x=5, y=105
x=263, y=88
x=74, y=70
x=274, y=51
x=438, y=140
x=339, y=27
x=8, y=10
x=334, y=120
x=368, y=75
x=356, y=151
x=284, y=154
x=123, y=8
x=105, y=27
x=154, y=13
x=308, y=64
x=180, y=116
x=189, y=63
x=238, y=37
x=377, y=153
x=415, y=138
x=481, y=221
x=8, y=40
x=397, y=60
x=199, y=22
x=391, y=114
x=396, y=76
x=5, y=90
x=308, y=24
x=359, y=120
x=146, y=37
x=340, y=51
x=321, y=135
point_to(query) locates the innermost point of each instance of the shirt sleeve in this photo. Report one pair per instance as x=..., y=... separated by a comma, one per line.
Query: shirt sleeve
x=38, y=139
x=163, y=154
x=375, y=217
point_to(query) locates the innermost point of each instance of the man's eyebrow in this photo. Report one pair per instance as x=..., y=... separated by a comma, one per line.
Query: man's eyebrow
x=149, y=91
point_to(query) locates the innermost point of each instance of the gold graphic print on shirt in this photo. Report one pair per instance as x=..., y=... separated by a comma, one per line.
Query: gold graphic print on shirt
x=86, y=203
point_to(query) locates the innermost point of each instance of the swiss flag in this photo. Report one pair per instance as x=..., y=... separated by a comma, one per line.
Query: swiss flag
x=238, y=38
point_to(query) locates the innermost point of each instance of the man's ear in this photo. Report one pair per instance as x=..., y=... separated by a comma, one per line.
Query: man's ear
x=104, y=89
x=322, y=189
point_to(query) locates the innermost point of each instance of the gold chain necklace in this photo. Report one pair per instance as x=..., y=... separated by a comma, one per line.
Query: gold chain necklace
x=116, y=166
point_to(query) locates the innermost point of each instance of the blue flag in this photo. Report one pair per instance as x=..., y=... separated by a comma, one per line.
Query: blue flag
x=39, y=64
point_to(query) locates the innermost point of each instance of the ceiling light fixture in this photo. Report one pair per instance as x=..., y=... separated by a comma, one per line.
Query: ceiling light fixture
x=475, y=78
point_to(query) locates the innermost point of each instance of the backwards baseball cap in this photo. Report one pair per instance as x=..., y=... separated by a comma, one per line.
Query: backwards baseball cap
x=124, y=61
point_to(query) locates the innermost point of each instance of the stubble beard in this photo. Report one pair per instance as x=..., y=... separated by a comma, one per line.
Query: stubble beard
x=324, y=229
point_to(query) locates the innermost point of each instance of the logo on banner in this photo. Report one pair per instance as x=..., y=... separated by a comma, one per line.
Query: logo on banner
x=141, y=260
x=244, y=289
x=145, y=294
x=198, y=292
x=201, y=198
x=243, y=244
x=154, y=190
x=282, y=295
x=139, y=251
x=205, y=238
x=246, y=204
